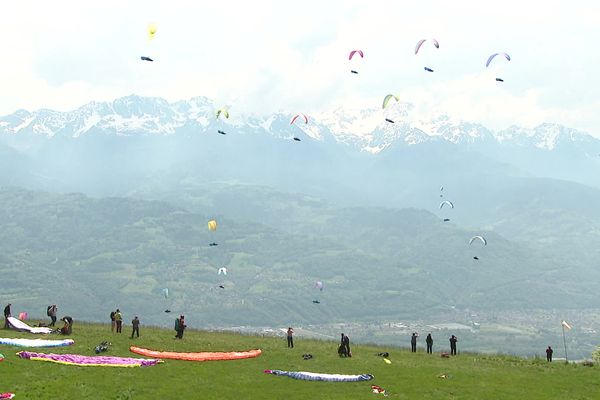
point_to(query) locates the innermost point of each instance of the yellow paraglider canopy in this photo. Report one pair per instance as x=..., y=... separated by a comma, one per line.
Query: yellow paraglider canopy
x=151, y=31
x=223, y=111
x=212, y=225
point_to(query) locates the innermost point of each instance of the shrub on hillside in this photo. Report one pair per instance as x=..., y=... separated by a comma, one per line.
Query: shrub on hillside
x=596, y=354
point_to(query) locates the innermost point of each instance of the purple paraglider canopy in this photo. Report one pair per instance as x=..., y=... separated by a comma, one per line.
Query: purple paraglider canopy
x=489, y=60
x=353, y=52
x=420, y=43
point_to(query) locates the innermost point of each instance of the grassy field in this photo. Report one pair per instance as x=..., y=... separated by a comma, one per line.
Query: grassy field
x=410, y=376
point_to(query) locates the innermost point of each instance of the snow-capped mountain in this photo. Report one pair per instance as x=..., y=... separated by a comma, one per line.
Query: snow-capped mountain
x=93, y=132
x=365, y=129
x=545, y=136
x=131, y=114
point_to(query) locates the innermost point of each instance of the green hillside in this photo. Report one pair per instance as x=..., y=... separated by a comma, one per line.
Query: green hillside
x=122, y=252
x=410, y=376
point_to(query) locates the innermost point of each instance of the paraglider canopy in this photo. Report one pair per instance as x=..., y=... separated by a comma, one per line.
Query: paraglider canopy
x=489, y=60
x=319, y=285
x=353, y=52
x=420, y=43
x=212, y=225
x=387, y=99
x=295, y=117
x=151, y=31
x=144, y=58
x=223, y=111
x=222, y=270
x=446, y=202
x=480, y=238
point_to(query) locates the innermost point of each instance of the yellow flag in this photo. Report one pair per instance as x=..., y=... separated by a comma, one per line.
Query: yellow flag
x=387, y=361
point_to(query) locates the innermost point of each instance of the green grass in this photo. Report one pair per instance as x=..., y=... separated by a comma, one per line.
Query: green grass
x=410, y=376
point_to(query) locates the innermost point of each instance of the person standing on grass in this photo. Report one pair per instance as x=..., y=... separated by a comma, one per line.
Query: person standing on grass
x=413, y=342
x=346, y=343
x=429, y=341
x=135, y=322
x=113, y=323
x=52, y=314
x=549, y=352
x=180, y=327
x=6, y=315
x=453, y=340
x=119, y=320
x=290, y=337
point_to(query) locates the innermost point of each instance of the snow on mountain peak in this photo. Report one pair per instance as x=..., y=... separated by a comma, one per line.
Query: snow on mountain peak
x=370, y=129
x=545, y=136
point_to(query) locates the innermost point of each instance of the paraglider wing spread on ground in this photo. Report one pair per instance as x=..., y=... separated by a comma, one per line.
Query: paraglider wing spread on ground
x=88, y=361
x=200, y=356
x=314, y=376
x=35, y=342
x=22, y=326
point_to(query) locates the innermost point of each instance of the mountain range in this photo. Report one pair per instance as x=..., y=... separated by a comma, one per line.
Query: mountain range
x=548, y=150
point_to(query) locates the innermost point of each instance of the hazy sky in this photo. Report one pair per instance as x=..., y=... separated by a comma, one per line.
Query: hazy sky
x=264, y=56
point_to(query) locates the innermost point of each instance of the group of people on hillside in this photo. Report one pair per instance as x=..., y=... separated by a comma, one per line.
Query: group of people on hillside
x=344, y=347
x=51, y=311
x=67, y=328
x=116, y=319
x=429, y=342
x=116, y=323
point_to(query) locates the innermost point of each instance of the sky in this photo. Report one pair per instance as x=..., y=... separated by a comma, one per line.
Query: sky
x=267, y=56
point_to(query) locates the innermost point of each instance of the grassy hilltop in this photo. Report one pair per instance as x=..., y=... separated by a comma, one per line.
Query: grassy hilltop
x=410, y=376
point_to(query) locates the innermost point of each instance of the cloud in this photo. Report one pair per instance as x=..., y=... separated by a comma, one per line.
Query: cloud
x=265, y=56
